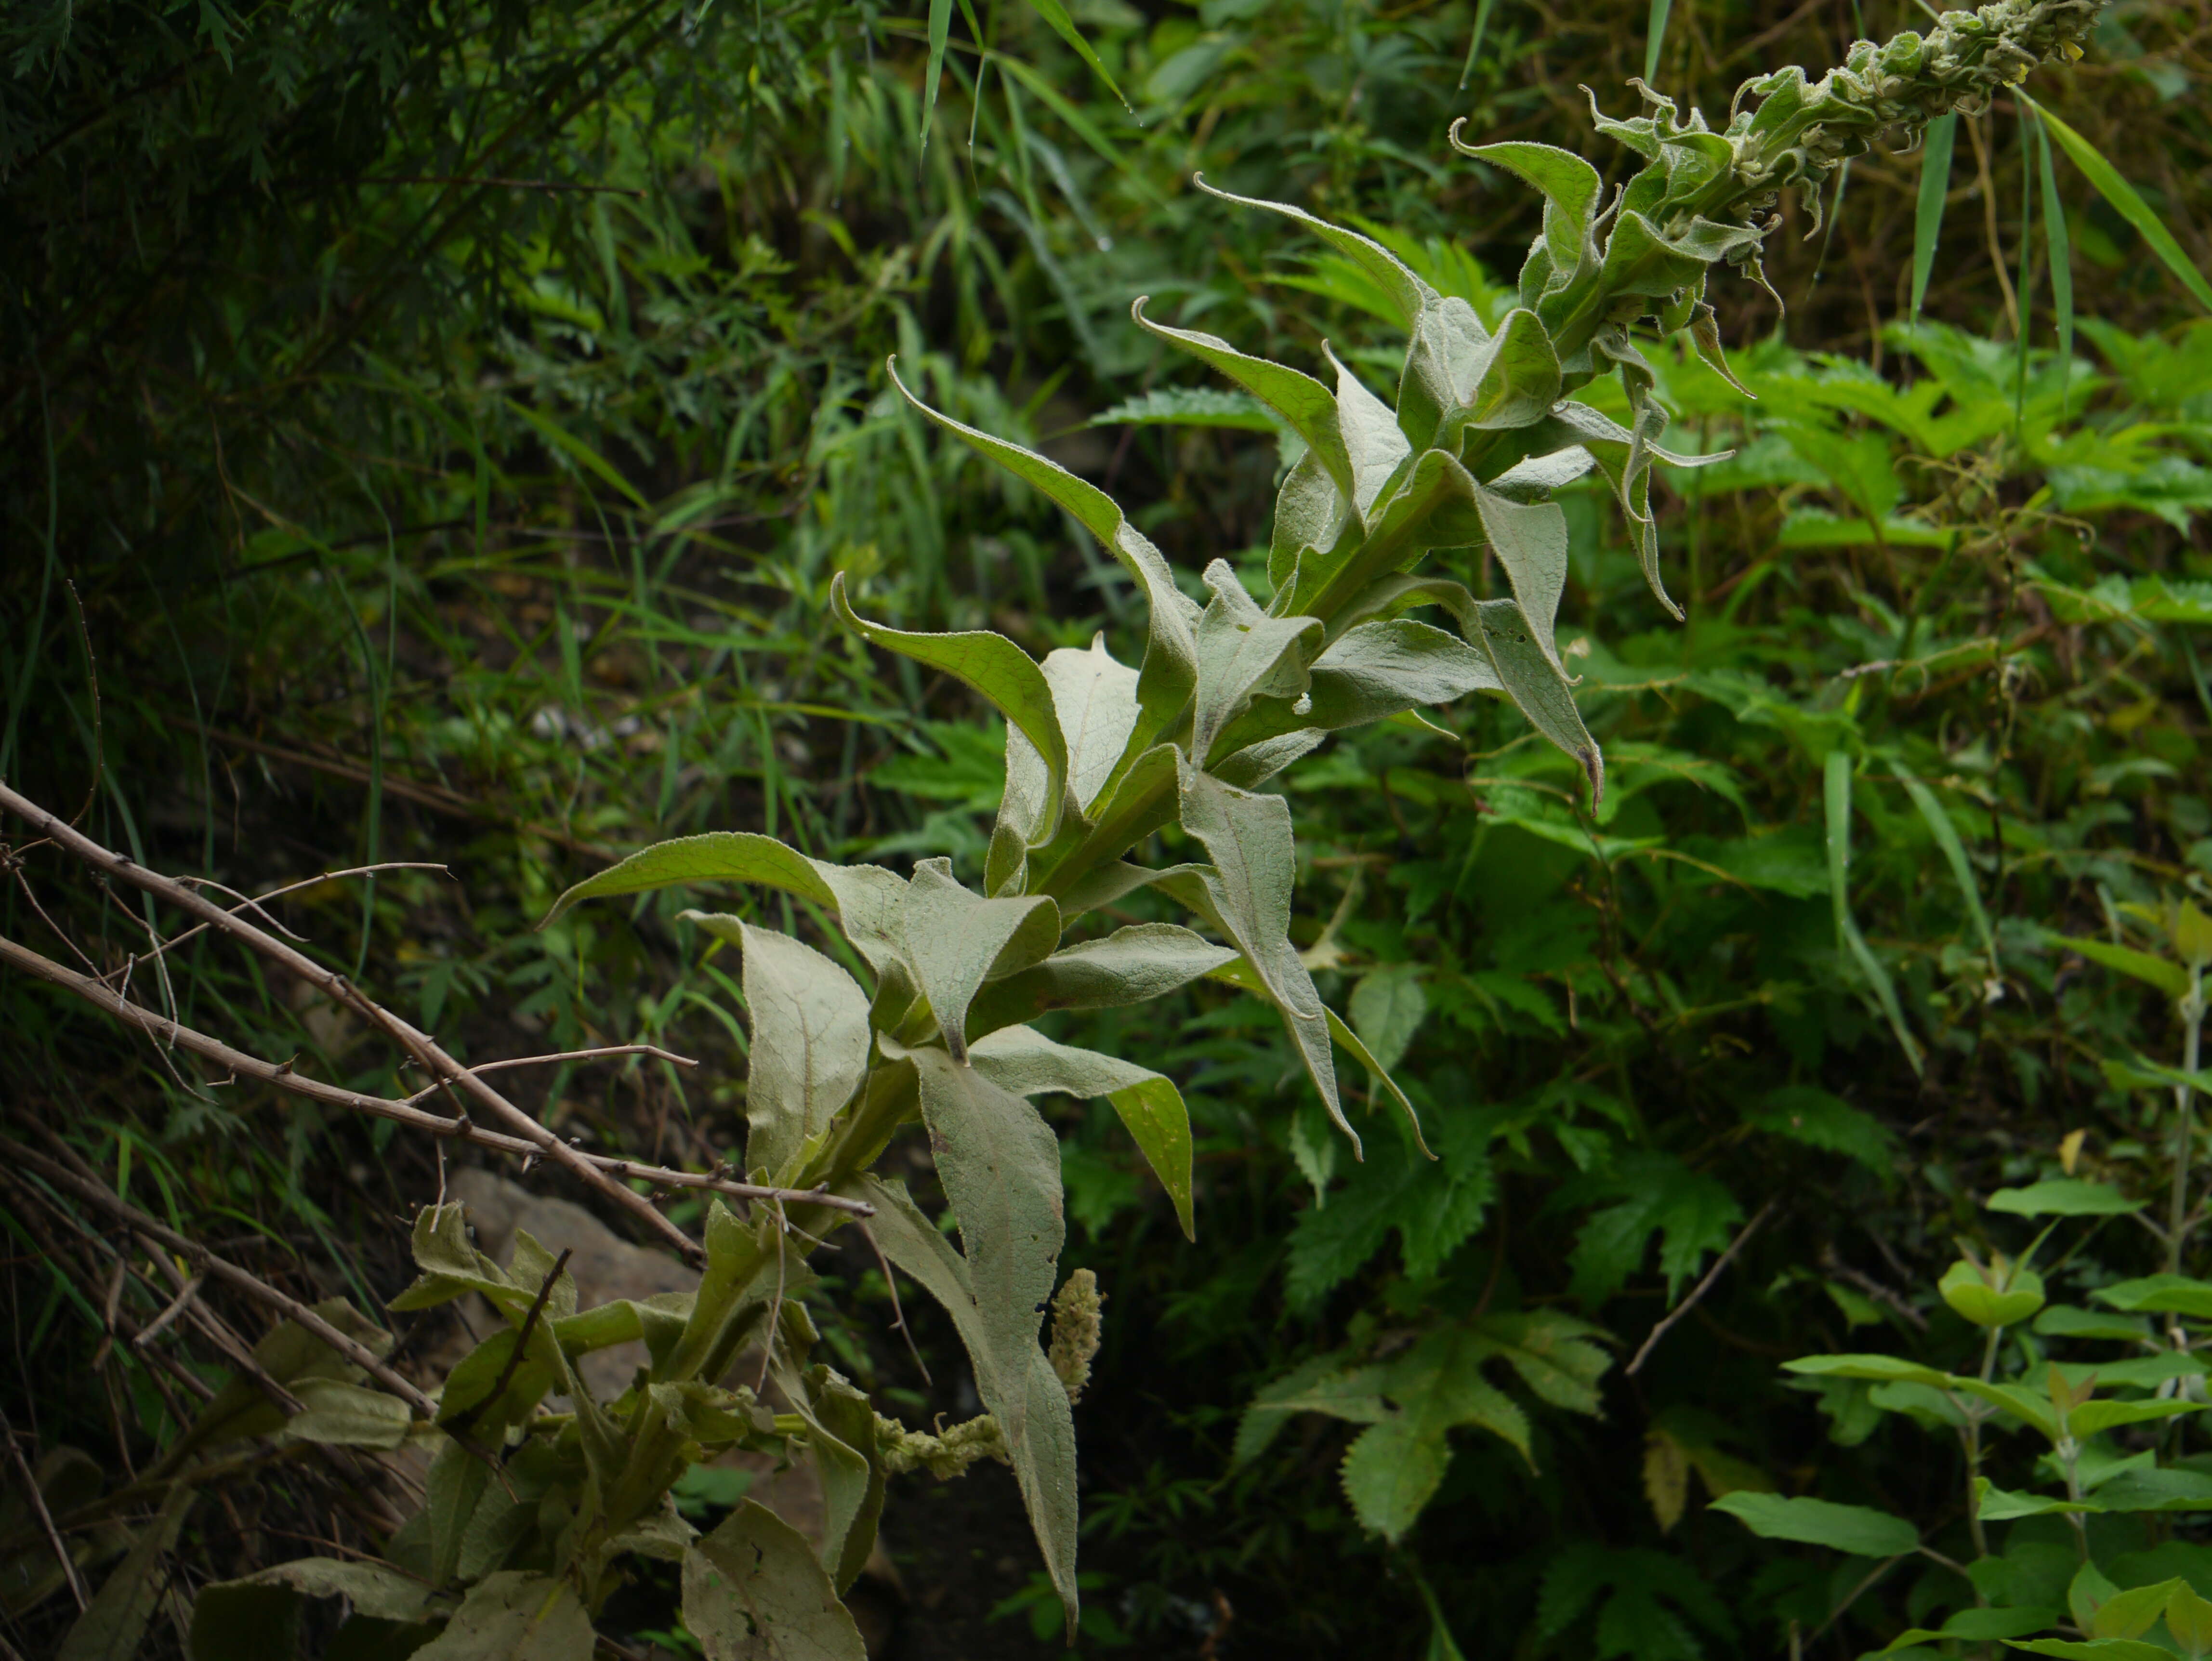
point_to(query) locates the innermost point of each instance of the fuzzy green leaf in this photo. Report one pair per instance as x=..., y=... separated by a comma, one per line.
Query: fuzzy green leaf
x=753, y=1590
x=810, y=1044
x=1537, y=686
x=956, y=939
x=1243, y=650
x=1095, y=697
x=511, y=1616
x=1408, y=292
x=1132, y=965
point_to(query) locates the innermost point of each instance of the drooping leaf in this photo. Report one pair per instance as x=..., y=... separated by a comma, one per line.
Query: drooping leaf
x=1255, y=870
x=1378, y=668
x=1132, y=965
x=2127, y=202
x=753, y=1590
x=1025, y=1061
x=1389, y=274
x=1303, y=403
x=1171, y=650
x=998, y=670
x=1954, y=854
x=1859, y=1530
x=1536, y=684
x=1000, y=1164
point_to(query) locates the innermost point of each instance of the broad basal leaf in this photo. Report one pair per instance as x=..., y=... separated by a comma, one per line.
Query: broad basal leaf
x=753, y=1590
x=810, y=1044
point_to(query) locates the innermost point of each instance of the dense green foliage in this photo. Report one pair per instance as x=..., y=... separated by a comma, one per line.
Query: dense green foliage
x=494, y=523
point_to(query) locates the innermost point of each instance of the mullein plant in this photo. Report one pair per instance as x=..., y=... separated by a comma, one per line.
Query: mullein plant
x=920, y=1009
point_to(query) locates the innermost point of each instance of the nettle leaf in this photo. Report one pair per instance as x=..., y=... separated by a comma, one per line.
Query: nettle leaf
x=1249, y=893
x=1021, y=1060
x=1095, y=697
x=1190, y=406
x=1690, y=1212
x=1000, y=1164
x=1171, y=647
x=810, y=1044
x=995, y=668
x=956, y=939
x=511, y=1616
x=1392, y=1470
x=1386, y=1008
x=753, y=1590
x=1859, y=1530
x=1302, y=401
x=1241, y=650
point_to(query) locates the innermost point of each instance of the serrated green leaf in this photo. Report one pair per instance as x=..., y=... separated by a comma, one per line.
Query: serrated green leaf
x=1386, y=1008
x=511, y=1616
x=1190, y=406
x=1858, y=1530
x=1390, y=1472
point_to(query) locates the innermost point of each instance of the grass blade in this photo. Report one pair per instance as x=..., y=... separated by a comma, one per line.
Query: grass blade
x=2127, y=202
x=1928, y=214
x=1947, y=838
x=940, y=28
x=2020, y=287
x=1837, y=791
x=1056, y=15
x=1474, y=43
x=1654, y=37
x=2061, y=246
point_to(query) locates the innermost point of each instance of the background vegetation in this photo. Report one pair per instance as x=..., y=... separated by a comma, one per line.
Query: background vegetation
x=429, y=434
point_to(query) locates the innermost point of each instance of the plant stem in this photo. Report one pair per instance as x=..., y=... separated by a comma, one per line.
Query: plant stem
x=2192, y=1015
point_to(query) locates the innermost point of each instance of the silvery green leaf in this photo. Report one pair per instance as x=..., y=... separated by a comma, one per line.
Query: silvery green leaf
x=1131, y=965
x=1024, y=1061
x=1372, y=440
x=1104, y=884
x=1301, y=400
x=1530, y=542
x=1171, y=646
x=840, y=1437
x=1537, y=687
x=1377, y=668
x=1190, y=406
x=753, y=1590
x=1130, y=809
x=1512, y=380
x=1313, y=518
x=347, y=1415
x=1000, y=1164
x=957, y=939
x=995, y=668
x=865, y=899
x=511, y=1616
x=810, y=1044
x=1241, y=650
x=1570, y=187
x=1410, y=294
x=1253, y=765
x=1096, y=698
x=1532, y=478
x=1247, y=896
x=1446, y=343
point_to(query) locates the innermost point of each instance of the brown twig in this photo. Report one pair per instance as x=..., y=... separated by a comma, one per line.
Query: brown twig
x=153, y=1329
x=281, y=1074
x=1660, y=1331
x=425, y=1050
x=462, y=1421
x=654, y=1050
x=223, y=1269
x=253, y=901
x=46, y=1517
